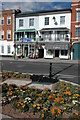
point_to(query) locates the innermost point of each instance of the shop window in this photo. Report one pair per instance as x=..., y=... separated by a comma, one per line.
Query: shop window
x=49, y=52
x=2, y=49
x=20, y=22
x=8, y=34
x=31, y=22
x=64, y=52
x=8, y=20
x=46, y=20
x=19, y=50
x=62, y=20
x=78, y=32
x=8, y=49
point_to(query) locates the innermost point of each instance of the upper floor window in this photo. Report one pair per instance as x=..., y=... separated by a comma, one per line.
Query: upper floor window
x=78, y=32
x=8, y=20
x=2, y=49
x=8, y=49
x=46, y=20
x=20, y=22
x=31, y=22
x=2, y=35
x=2, y=21
x=78, y=16
x=62, y=20
x=8, y=34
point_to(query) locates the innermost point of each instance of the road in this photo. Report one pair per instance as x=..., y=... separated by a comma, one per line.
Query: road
x=66, y=71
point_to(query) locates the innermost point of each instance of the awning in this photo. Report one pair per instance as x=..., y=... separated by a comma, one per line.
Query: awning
x=57, y=46
x=55, y=29
x=26, y=30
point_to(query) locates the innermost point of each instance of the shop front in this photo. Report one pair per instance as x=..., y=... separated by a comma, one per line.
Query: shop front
x=57, y=49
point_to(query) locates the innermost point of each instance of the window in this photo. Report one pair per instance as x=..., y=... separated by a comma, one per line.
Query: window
x=8, y=20
x=8, y=34
x=20, y=22
x=46, y=20
x=2, y=35
x=2, y=49
x=49, y=52
x=78, y=32
x=31, y=22
x=2, y=21
x=64, y=52
x=78, y=16
x=8, y=49
x=62, y=20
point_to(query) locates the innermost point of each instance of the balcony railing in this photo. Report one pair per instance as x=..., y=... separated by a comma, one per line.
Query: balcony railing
x=25, y=40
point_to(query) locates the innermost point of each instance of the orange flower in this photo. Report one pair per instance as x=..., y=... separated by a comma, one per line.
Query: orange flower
x=42, y=115
x=68, y=93
x=47, y=89
x=59, y=111
x=38, y=105
x=18, y=104
x=54, y=95
x=40, y=95
x=76, y=114
x=53, y=111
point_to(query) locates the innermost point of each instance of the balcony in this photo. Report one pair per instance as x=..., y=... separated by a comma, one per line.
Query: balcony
x=25, y=40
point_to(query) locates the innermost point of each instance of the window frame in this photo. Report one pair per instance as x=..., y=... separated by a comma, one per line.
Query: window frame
x=77, y=31
x=46, y=21
x=2, y=34
x=8, y=34
x=8, y=49
x=2, y=49
x=61, y=20
x=2, y=19
x=21, y=24
x=31, y=22
x=77, y=16
x=65, y=52
x=9, y=18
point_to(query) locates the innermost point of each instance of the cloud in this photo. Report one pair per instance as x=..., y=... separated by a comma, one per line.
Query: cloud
x=36, y=0
x=32, y=6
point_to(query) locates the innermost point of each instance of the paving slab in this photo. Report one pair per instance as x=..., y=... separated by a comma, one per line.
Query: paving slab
x=41, y=85
x=17, y=82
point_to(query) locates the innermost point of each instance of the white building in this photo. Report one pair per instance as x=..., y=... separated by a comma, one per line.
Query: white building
x=45, y=32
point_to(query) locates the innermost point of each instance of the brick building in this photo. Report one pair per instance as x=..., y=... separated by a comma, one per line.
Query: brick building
x=7, y=28
x=75, y=29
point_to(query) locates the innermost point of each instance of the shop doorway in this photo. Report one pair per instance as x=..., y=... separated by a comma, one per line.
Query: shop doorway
x=56, y=53
x=26, y=51
x=41, y=53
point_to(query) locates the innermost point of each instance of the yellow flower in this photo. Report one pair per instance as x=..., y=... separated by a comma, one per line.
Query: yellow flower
x=21, y=90
x=45, y=109
x=64, y=108
x=42, y=115
x=23, y=106
x=40, y=98
x=38, y=105
x=38, y=108
x=34, y=106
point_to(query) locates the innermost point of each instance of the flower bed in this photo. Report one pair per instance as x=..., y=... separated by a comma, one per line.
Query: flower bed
x=62, y=102
x=16, y=75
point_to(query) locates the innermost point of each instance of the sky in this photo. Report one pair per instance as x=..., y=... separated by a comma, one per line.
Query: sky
x=35, y=5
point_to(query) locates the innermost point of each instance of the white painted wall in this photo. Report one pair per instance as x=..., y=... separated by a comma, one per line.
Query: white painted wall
x=5, y=44
x=26, y=23
x=57, y=16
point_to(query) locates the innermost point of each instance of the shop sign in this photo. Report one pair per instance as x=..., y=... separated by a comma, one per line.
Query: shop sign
x=26, y=40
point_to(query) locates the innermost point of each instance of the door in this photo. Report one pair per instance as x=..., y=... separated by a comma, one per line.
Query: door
x=56, y=53
x=26, y=50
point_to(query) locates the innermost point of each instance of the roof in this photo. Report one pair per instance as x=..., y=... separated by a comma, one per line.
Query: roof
x=37, y=13
x=26, y=30
x=58, y=28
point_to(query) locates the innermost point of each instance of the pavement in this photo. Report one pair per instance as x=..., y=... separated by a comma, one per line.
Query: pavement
x=55, y=60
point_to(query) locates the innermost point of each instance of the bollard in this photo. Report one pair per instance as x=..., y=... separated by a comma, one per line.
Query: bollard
x=50, y=72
